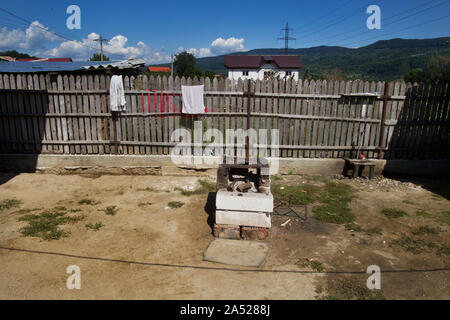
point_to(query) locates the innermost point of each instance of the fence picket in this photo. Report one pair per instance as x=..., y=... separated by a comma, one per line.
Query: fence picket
x=69, y=114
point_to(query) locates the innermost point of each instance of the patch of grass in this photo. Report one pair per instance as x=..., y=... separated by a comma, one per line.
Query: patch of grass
x=297, y=195
x=205, y=187
x=318, y=179
x=309, y=263
x=75, y=210
x=175, y=204
x=23, y=211
x=319, y=289
x=354, y=227
x=9, y=203
x=337, y=192
x=316, y=265
x=46, y=224
x=425, y=230
x=441, y=217
x=89, y=202
x=373, y=230
x=424, y=213
x=413, y=245
x=444, y=217
x=409, y=202
x=437, y=197
x=110, y=211
x=146, y=189
x=334, y=198
x=143, y=204
x=94, y=227
x=276, y=178
x=348, y=289
x=334, y=213
x=443, y=249
x=393, y=213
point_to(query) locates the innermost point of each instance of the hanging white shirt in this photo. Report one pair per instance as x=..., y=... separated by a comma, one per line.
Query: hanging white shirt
x=117, y=94
x=193, y=99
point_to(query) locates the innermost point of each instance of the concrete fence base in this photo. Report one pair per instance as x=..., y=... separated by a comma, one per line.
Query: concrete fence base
x=163, y=165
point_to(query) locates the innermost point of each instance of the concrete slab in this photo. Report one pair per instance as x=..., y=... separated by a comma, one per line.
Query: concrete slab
x=244, y=218
x=237, y=252
x=249, y=201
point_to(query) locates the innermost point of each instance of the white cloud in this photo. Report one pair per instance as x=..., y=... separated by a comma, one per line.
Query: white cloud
x=116, y=48
x=222, y=46
x=218, y=47
x=36, y=40
x=34, y=37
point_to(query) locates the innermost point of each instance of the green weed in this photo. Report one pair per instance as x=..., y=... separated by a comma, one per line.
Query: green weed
x=46, y=224
x=94, y=227
x=393, y=213
x=175, y=204
x=9, y=203
x=205, y=187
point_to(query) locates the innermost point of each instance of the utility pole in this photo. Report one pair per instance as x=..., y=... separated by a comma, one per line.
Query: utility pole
x=171, y=67
x=286, y=37
x=101, y=40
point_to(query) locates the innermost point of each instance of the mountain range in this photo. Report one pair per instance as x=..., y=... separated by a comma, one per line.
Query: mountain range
x=382, y=60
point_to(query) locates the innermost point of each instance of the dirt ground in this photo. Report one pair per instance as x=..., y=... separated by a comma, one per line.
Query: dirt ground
x=149, y=250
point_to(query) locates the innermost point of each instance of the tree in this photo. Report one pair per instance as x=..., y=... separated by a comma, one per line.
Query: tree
x=15, y=54
x=210, y=74
x=436, y=69
x=98, y=57
x=416, y=75
x=334, y=74
x=185, y=64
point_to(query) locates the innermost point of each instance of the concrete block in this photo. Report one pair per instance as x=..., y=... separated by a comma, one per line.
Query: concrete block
x=227, y=231
x=254, y=233
x=256, y=202
x=244, y=218
x=239, y=253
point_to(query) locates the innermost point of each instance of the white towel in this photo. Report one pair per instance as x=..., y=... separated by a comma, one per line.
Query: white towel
x=193, y=99
x=117, y=94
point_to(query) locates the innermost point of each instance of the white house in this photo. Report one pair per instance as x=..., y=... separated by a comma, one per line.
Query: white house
x=261, y=67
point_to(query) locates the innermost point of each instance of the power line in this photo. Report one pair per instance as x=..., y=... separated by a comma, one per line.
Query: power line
x=339, y=20
x=358, y=29
x=407, y=28
x=403, y=18
x=49, y=31
x=331, y=12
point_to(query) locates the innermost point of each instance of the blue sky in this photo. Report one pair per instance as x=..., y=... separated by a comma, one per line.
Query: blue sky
x=155, y=29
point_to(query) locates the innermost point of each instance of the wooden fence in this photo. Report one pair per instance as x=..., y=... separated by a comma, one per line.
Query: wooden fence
x=69, y=114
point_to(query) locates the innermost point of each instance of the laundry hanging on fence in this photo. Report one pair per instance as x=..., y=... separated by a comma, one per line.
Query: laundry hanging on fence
x=117, y=94
x=192, y=97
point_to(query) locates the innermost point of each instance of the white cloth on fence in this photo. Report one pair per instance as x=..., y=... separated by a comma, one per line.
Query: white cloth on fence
x=193, y=99
x=117, y=94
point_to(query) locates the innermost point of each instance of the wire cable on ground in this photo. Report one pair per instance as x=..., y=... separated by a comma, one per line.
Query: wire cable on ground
x=179, y=266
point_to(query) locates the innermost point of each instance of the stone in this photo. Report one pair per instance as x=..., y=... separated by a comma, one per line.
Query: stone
x=227, y=231
x=254, y=233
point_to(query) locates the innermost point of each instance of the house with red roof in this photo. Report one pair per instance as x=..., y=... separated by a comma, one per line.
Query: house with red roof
x=262, y=67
